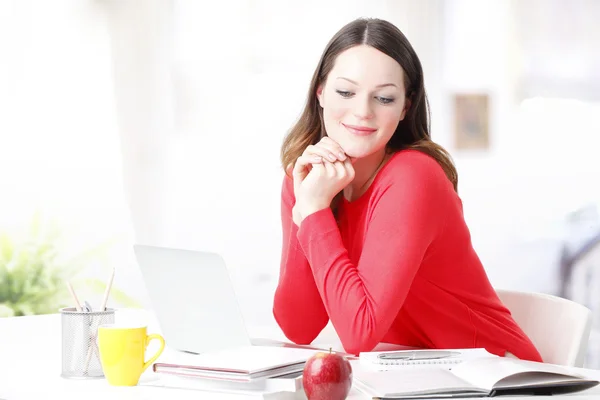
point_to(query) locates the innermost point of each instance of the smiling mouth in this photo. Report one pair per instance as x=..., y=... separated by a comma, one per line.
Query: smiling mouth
x=360, y=130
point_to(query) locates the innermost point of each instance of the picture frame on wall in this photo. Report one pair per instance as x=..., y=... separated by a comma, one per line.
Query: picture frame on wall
x=471, y=116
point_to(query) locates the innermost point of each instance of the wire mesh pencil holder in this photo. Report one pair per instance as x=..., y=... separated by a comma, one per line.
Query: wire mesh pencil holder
x=80, y=354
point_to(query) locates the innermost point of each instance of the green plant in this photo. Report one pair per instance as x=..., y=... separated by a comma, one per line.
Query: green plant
x=34, y=270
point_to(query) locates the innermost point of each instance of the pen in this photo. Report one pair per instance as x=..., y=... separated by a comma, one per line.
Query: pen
x=418, y=355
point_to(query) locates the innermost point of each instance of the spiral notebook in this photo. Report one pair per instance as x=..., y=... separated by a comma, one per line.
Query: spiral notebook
x=383, y=360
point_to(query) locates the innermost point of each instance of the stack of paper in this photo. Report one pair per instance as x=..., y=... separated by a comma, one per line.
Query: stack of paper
x=242, y=364
x=280, y=388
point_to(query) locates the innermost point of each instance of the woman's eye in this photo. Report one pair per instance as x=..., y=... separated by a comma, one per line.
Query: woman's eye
x=385, y=100
x=344, y=93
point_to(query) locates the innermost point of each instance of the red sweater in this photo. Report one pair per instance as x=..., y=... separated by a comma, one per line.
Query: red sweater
x=398, y=267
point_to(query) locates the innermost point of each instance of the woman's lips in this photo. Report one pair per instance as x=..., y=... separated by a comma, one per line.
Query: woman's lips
x=360, y=130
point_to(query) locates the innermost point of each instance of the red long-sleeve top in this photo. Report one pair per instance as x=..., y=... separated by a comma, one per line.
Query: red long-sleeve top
x=397, y=267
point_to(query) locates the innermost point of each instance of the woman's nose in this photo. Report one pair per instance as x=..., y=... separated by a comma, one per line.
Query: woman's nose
x=363, y=108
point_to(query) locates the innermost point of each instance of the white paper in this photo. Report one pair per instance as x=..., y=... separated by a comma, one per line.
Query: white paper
x=248, y=359
x=485, y=373
x=408, y=382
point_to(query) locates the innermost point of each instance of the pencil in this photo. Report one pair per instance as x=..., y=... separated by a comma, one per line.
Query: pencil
x=77, y=304
x=107, y=291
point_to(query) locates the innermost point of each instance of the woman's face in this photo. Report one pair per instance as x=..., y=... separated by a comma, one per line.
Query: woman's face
x=363, y=100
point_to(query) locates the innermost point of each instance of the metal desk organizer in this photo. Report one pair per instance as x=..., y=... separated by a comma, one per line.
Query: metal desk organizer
x=80, y=355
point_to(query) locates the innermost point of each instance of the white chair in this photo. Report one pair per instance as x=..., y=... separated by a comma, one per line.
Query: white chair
x=559, y=328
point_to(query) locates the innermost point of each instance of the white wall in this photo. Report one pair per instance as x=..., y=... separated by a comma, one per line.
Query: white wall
x=224, y=177
x=536, y=171
x=59, y=144
x=225, y=182
x=197, y=98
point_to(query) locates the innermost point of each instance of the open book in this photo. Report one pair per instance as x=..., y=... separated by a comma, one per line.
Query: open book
x=489, y=376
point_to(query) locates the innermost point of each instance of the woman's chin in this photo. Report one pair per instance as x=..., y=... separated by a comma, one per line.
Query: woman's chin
x=355, y=154
x=361, y=154
x=356, y=149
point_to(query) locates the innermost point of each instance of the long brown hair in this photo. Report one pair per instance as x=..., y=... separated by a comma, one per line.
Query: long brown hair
x=413, y=132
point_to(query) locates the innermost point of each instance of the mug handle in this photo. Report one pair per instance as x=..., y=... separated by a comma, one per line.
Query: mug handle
x=158, y=352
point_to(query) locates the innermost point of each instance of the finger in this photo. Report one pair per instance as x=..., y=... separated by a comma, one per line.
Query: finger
x=304, y=163
x=330, y=169
x=321, y=151
x=301, y=167
x=334, y=150
x=298, y=173
x=340, y=169
x=333, y=147
x=320, y=168
x=307, y=159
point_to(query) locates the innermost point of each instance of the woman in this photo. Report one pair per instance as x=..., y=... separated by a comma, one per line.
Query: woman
x=373, y=228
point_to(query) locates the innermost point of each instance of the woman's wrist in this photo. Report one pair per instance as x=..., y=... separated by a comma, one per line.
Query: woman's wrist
x=304, y=208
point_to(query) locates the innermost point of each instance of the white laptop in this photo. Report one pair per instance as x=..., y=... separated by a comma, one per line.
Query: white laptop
x=193, y=298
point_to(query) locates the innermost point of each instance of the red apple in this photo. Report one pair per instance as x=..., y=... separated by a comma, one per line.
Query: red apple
x=327, y=376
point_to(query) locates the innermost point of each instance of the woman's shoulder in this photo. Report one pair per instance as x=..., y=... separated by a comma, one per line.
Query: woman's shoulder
x=407, y=165
x=415, y=175
x=287, y=185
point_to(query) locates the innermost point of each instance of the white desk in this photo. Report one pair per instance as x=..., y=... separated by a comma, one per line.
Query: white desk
x=30, y=358
x=30, y=365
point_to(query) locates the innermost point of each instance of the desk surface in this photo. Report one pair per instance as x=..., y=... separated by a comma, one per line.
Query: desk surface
x=30, y=357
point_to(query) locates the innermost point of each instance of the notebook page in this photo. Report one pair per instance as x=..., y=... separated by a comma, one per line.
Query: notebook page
x=406, y=383
x=246, y=360
x=486, y=373
x=533, y=379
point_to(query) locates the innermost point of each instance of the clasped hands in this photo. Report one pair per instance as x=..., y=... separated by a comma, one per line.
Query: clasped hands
x=320, y=173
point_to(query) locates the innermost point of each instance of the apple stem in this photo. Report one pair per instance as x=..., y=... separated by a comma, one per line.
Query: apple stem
x=330, y=350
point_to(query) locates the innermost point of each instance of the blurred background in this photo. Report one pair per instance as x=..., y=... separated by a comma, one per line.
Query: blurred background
x=160, y=122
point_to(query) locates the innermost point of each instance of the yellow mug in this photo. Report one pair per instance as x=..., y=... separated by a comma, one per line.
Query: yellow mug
x=123, y=353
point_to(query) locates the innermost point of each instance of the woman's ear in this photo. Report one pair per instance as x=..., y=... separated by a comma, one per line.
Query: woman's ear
x=320, y=95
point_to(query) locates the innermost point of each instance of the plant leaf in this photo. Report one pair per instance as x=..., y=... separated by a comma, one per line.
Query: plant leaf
x=34, y=270
x=6, y=311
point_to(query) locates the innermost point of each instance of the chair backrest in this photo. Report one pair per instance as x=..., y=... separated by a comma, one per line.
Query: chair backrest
x=559, y=328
